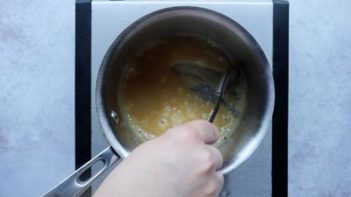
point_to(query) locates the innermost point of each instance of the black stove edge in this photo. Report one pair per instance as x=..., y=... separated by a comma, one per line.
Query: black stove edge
x=280, y=115
x=83, y=86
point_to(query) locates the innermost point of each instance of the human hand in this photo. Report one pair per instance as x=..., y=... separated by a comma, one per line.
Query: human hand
x=179, y=163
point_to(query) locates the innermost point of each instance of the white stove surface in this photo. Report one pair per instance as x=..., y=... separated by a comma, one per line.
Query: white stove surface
x=110, y=18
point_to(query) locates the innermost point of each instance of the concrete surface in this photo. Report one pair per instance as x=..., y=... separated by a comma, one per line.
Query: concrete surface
x=37, y=97
x=320, y=99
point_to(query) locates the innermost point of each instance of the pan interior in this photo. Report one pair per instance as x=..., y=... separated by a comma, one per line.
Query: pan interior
x=223, y=37
x=153, y=97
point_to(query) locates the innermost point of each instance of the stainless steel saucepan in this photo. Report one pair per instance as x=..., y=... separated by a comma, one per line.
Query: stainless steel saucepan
x=237, y=44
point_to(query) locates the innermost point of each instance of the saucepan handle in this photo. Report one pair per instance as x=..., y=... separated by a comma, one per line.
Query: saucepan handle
x=73, y=185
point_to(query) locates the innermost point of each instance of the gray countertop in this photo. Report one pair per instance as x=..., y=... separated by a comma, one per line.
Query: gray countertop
x=320, y=98
x=37, y=97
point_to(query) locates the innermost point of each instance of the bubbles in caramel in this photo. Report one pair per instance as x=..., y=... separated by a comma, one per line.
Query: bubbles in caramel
x=154, y=98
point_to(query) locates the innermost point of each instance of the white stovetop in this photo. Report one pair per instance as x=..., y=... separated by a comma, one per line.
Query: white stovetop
x=110, y=18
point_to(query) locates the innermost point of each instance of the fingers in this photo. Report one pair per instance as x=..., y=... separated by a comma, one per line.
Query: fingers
x=214, y=185
x=220, y=180
x=217, y=157
x=204, y=129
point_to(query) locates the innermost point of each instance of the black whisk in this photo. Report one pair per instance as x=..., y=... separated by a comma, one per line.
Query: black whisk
x=220, y=94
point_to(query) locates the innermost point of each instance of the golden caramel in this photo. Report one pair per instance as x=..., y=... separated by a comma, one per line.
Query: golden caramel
x=153, y=96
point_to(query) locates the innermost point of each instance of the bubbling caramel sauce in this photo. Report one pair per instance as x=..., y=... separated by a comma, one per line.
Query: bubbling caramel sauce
x=154, y=99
